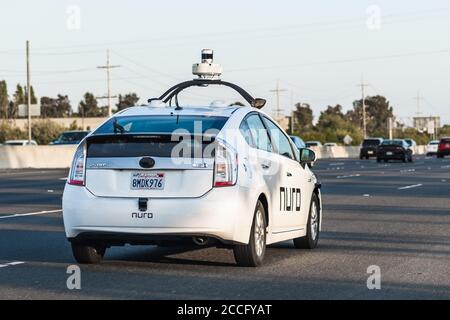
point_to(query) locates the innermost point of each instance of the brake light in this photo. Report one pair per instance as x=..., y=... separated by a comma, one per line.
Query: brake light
x=225, y=165
x=78, y=169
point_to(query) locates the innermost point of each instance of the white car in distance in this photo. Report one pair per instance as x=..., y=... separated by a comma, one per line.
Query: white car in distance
x=213, y=176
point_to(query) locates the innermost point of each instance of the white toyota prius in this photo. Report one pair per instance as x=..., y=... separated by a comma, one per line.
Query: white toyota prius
x=217, y=175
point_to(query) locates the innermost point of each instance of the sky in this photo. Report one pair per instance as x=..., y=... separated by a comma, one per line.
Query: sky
x=319, y=51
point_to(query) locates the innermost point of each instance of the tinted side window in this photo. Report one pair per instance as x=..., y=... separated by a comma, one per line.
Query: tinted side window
x=259, y=133
x=279, y=139
x=245, y=131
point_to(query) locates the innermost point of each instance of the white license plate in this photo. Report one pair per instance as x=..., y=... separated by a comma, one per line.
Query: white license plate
x=369, y=152
x=389, y=153
x=147, y=181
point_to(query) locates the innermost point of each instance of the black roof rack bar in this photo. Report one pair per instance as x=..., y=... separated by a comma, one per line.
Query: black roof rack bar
x=176, y=89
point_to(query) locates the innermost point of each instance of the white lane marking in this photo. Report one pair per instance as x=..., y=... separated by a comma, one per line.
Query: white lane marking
x=410, y=187
x=349, y=176
x=50, y=191
x=366, y=195
x=30, y=214
x=62, y=178
x=10, y=264
x=337, y=164
x=407, y=170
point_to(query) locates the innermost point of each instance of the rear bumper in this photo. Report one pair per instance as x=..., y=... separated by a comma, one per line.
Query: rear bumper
x=223, y=213
x=393, y=156
x=445, y=152
x=368, y=152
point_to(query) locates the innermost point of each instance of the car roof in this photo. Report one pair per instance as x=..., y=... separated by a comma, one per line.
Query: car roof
x=76, y=131
x=226, y=111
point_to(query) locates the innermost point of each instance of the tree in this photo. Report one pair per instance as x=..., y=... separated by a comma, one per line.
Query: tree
x=55, y=108
x=334, y=126
x=88, y=107
x=126, y=101
x=378, y=111
x=303, y=116
x=33, y=97
x=18, y=99
x=4, y=102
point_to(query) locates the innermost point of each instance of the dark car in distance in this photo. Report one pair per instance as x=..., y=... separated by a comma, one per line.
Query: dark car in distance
x=443, y=148
x=70, y=137
x=369, y=148
x=397, y=149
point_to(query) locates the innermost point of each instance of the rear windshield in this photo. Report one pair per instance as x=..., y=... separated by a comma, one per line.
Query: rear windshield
x=162, y=124
x=371, y=143
x=149, y=146
x=445, y=140
x=156, y=136
x=392, y=143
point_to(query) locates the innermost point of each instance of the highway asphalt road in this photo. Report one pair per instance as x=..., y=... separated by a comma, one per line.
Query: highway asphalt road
x=395, y=216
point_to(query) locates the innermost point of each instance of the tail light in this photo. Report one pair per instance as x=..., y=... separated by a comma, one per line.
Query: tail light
x=225, y=165
x=78, y=170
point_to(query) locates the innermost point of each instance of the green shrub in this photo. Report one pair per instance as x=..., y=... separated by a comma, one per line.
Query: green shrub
x=10, y=132
x=45, y=131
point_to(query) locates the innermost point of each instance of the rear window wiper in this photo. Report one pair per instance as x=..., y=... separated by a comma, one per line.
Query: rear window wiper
x=118, y=127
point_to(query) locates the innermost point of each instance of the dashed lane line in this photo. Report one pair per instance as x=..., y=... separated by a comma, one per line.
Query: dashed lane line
x=30, y=214
x=349, y=176
x=410, y=187
x=10, y=264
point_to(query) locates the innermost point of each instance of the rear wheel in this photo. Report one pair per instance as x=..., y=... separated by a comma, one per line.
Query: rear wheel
x=440, y=156
x=378, y=160
x=88, y=254
x=252, y=254
x=312, y=230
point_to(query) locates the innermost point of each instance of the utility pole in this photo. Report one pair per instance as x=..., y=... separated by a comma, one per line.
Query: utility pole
x=28, y=92
x=277, y=92
x=418, y=99
x=390, y=120
x=108, y=68
x=363, y=86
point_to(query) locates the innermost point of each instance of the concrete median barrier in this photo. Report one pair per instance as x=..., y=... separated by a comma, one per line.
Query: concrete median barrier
x=19, y=157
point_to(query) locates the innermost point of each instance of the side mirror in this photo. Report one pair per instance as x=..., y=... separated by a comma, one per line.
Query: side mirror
x=307, y=156
x=258, y=103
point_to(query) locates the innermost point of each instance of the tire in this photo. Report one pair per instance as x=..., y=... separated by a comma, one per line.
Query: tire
x=378, y=160
x=361, y=157
x=440, y=156
x=312, y=230
x=404, y=158
x=87, y=254
x=386, y=160
x=252, y=254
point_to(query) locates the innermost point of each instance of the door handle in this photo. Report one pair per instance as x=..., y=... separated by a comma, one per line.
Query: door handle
x=265, y=166
x=289, y=174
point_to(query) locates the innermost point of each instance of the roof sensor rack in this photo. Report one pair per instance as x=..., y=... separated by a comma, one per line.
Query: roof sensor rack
x=208, y=73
